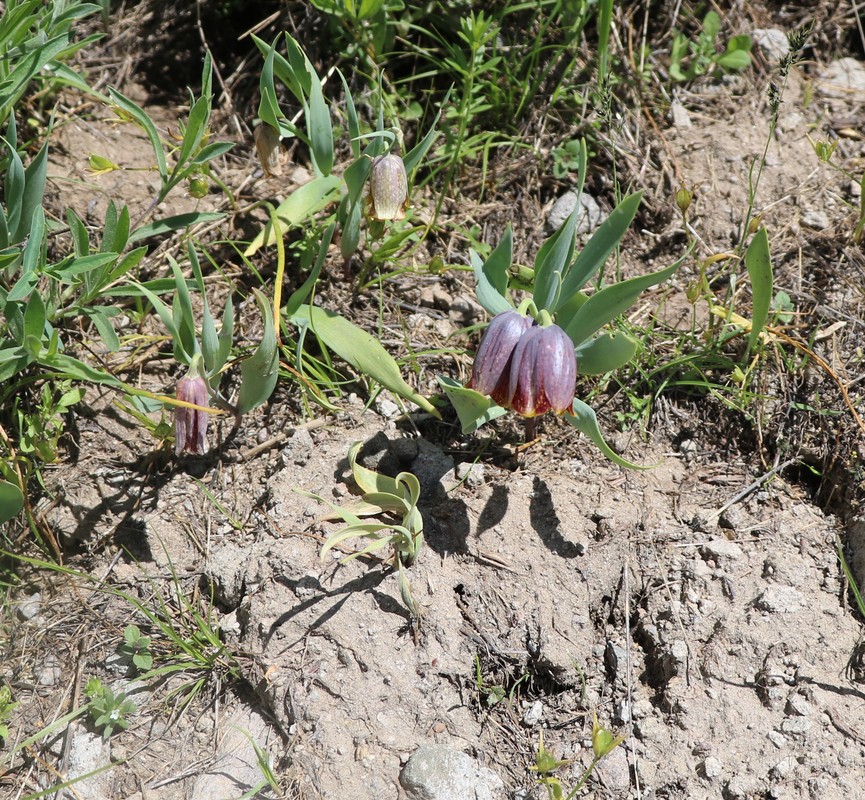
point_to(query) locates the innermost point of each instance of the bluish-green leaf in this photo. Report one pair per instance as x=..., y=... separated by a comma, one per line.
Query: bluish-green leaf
x=604, y=240
x=34, y=189
x=758, y=261
x=585, y=421
x=489, y=290
x=609, y=302
x=360, y=349
x=259, y=372
x=11, y=501
x=175, y=223
x=553, y=260
x=473, y=408
x=604, y=353
x=300, y=295
x=299, y=206
x=320, y=130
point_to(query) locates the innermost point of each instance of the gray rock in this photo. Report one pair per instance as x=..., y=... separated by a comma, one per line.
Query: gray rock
x=796, y=725
x=798, y=706
x=678, y=112
x=472, y=475
x=816, y=219
x=589, y=218
x=533, y=714
x=438, y=772
x=50, y=671
x=712, y=767
x=431, y=466
x=844, y=77
x=783, y=768
x=772, y=42
x=227, y=568
x=88, y=753
x=614, y=773
x=740, y=787
x=30, y=607
x=719, y=549
x=234, y=768
x=780, y=600
x=778, y=739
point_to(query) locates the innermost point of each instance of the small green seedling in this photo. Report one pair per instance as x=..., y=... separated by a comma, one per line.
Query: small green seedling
x=107, y=710
x=7, y=706
x=604, y=741
x=136, y=648
x=702, y=55
x=400, y=524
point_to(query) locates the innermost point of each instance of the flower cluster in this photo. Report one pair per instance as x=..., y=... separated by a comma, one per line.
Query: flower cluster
x=526, y=367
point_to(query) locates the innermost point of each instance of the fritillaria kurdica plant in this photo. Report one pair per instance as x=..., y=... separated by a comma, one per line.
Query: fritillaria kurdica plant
x=530, y=356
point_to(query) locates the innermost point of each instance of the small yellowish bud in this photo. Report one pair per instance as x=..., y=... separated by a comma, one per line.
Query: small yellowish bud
x=604, y=740
x=99, y=165
x=755, y=223
x=198, y=187
x=683, y=199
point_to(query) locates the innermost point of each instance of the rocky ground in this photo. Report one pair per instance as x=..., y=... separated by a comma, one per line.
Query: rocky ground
x=697, y=606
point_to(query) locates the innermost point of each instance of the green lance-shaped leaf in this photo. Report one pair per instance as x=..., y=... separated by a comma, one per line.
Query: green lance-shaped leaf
x=145, y=123
x=491, y=276
x=605, y=239
x=11, y=501
x=259, y=372
x=300, y=205
x=758, y=261
x=361, y=350
x=553, y=260
x=369, y=481
x=608, y=303
x=319, y=129
x=473, y=408
x=585, y=421
x=175, y=223
x=604, y=353
x=34, y=189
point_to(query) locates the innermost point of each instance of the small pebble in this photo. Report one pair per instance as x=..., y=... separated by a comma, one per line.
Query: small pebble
x=30, y=608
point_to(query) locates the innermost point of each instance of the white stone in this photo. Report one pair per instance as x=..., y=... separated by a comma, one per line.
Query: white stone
x=772, y=41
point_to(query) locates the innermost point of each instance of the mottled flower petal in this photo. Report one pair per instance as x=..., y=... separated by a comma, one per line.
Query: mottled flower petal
x=388, y=188
x=491, y=368
x=543, y=372
x=190, y=425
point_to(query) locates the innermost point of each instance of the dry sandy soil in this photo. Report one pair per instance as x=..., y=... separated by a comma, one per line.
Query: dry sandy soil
x=697, y=606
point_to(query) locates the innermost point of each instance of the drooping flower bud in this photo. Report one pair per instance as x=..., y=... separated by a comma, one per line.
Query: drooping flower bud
x=388, y=188
x=492, y=368
x=190, y=424
x=267, y=146
x=543, y=372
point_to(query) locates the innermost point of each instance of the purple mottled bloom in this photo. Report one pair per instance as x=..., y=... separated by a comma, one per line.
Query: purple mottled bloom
x=543, y=372
x=491, y=370
x=190, y=425
x=388, y=188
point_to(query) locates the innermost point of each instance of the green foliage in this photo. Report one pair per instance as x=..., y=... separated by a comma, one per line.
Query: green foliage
x=194, y=153
x=691, y=58
x=604, y=741
x=7, y=706
x=107, y=711
x=35, y=35
x=557, y=284
x=136, y=648
x=400, y=524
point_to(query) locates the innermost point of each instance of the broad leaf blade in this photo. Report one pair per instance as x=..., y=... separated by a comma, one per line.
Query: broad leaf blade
x=585, y=421
x=758, y=261
x=609, y=351
x=598, y=248
x=473, y=408
x=361, y=350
